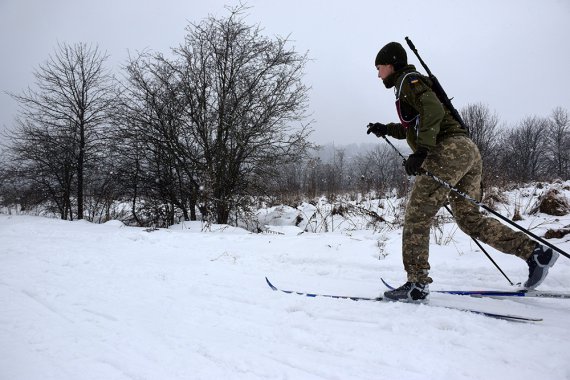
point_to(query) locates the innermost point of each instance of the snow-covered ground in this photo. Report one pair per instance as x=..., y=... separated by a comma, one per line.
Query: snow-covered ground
x=83, y=301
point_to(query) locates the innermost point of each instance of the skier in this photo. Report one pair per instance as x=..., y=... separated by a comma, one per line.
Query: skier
x=441, y=146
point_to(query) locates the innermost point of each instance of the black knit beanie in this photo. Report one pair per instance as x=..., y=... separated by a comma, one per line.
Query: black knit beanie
x=392, y=54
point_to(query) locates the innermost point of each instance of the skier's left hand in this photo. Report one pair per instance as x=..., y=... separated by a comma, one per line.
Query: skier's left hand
x=415, y=161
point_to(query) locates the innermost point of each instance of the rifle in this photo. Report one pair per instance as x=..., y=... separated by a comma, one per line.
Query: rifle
x=436, y=87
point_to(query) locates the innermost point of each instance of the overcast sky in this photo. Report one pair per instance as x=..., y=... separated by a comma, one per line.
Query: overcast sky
x=510, y=55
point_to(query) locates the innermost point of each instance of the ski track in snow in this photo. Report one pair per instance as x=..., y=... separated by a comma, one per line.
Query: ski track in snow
x=86, y=301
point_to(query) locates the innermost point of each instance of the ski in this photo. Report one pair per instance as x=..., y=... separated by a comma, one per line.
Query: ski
x=507, y=317
x=376, y=299
x=499, y=293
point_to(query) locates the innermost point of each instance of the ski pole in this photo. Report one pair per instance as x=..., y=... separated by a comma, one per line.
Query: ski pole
x=485, y=252
x=448, y=210
x=476, y=202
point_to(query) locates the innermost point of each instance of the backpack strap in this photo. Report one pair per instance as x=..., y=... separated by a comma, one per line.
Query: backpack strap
x=398, y=90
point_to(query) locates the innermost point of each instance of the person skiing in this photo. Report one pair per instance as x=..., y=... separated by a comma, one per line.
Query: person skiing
x=441, y=146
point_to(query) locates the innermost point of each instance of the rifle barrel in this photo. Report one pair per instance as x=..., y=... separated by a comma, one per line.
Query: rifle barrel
x=437, y=88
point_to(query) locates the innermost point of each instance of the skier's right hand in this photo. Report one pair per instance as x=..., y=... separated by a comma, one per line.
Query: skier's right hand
x=379, y=129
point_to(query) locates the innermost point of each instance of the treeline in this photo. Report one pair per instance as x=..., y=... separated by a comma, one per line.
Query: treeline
x=211, y=130
x=534, y=149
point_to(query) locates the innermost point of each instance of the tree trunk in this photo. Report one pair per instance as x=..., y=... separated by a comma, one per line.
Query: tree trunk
x=80, y=165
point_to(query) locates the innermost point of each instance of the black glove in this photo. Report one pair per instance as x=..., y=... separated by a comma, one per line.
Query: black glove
x=378, y=129
x=415, y=161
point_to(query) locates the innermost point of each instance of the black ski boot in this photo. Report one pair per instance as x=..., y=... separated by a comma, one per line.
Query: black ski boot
x=409, y=292
x=539, y=262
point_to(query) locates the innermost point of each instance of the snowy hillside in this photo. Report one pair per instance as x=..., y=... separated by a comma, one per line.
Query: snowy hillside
x=82, y=301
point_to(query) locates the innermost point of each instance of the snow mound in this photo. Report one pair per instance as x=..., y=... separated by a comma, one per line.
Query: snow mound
x=278, y=216
x=114, y=223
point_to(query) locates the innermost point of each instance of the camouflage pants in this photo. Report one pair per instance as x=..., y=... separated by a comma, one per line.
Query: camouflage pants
x=457, y=161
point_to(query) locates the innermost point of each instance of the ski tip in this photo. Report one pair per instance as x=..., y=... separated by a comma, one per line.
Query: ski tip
x=386, y=284
x=270, y=284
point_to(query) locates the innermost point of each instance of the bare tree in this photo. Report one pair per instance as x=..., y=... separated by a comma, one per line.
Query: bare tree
x=524, y=150
x=39, y=160
x=152, y=119
x=333, y=174
x=559, y=143
x=60, y=125
x=244, y=95
x=379, y=170
x=482, y=124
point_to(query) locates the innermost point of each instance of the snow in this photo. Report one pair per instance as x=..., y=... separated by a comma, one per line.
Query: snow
x=106, y=301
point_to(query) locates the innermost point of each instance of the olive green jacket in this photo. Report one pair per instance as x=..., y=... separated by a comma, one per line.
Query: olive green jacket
x=428, y=120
